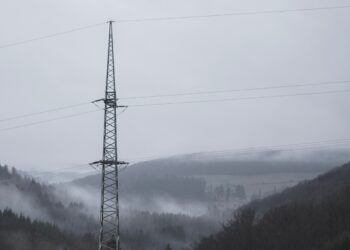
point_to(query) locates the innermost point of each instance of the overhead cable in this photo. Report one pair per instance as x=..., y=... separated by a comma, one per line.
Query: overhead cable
x=247, y=13
x=239, y=98
x=48, y=120
x=298, y=85
x=44, y=112
x=49, y=35
x=172, y=18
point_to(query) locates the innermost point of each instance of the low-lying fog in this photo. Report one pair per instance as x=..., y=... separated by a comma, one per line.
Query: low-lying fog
x=208, y=184
x=178, y=199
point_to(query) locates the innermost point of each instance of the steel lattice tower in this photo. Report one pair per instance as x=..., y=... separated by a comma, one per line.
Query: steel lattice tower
x=109, y=238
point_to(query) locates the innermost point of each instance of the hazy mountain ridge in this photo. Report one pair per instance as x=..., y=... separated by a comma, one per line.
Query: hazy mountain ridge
x=203, y=184
x=155, y=198
x=58, y=219
x=193, y=167
x=316, y=189
x=26, y=196
x=185, y=169
x=312, y=215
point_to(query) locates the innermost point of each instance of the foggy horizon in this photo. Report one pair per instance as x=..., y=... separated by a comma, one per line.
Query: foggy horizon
x=169, y=57
x=174, y=125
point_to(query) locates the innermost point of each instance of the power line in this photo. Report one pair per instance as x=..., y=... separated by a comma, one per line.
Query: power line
x=173, y=18
x=44, y=111
x=68, y=168
x=165, y=104
x=228, y=152
x=262, y=149
x=225, y=155
x=231, y=14
x=232, y=152
x=281, y=147
x=48, y=120
x=50, y=35
x=239, y=99
x=211, y=92
x=179, y=103
x=54, y=172
x=298, y=85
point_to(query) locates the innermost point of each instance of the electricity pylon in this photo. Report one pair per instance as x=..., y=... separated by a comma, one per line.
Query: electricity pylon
x=109, y=238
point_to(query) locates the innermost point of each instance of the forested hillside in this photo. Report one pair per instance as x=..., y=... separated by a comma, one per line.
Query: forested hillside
x=26, y=196
x=50, y=221
x=22, y=233
x=150, y=186
x=322, y=186
x=312, y=215
x=196, y=186
x=67, y=221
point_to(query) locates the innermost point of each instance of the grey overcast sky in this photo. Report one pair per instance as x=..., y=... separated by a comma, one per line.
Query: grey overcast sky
x=170, y=57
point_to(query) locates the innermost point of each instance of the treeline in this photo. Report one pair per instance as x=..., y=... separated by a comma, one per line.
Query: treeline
x=153, y=231
x=187, y=166
x=319, y=222
x=18, y=232
x=324, y=185
x=149, y=186
x=30, y=197
x=180, y=188
x=66, y=222
x=227, y=192
x=141, y=230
